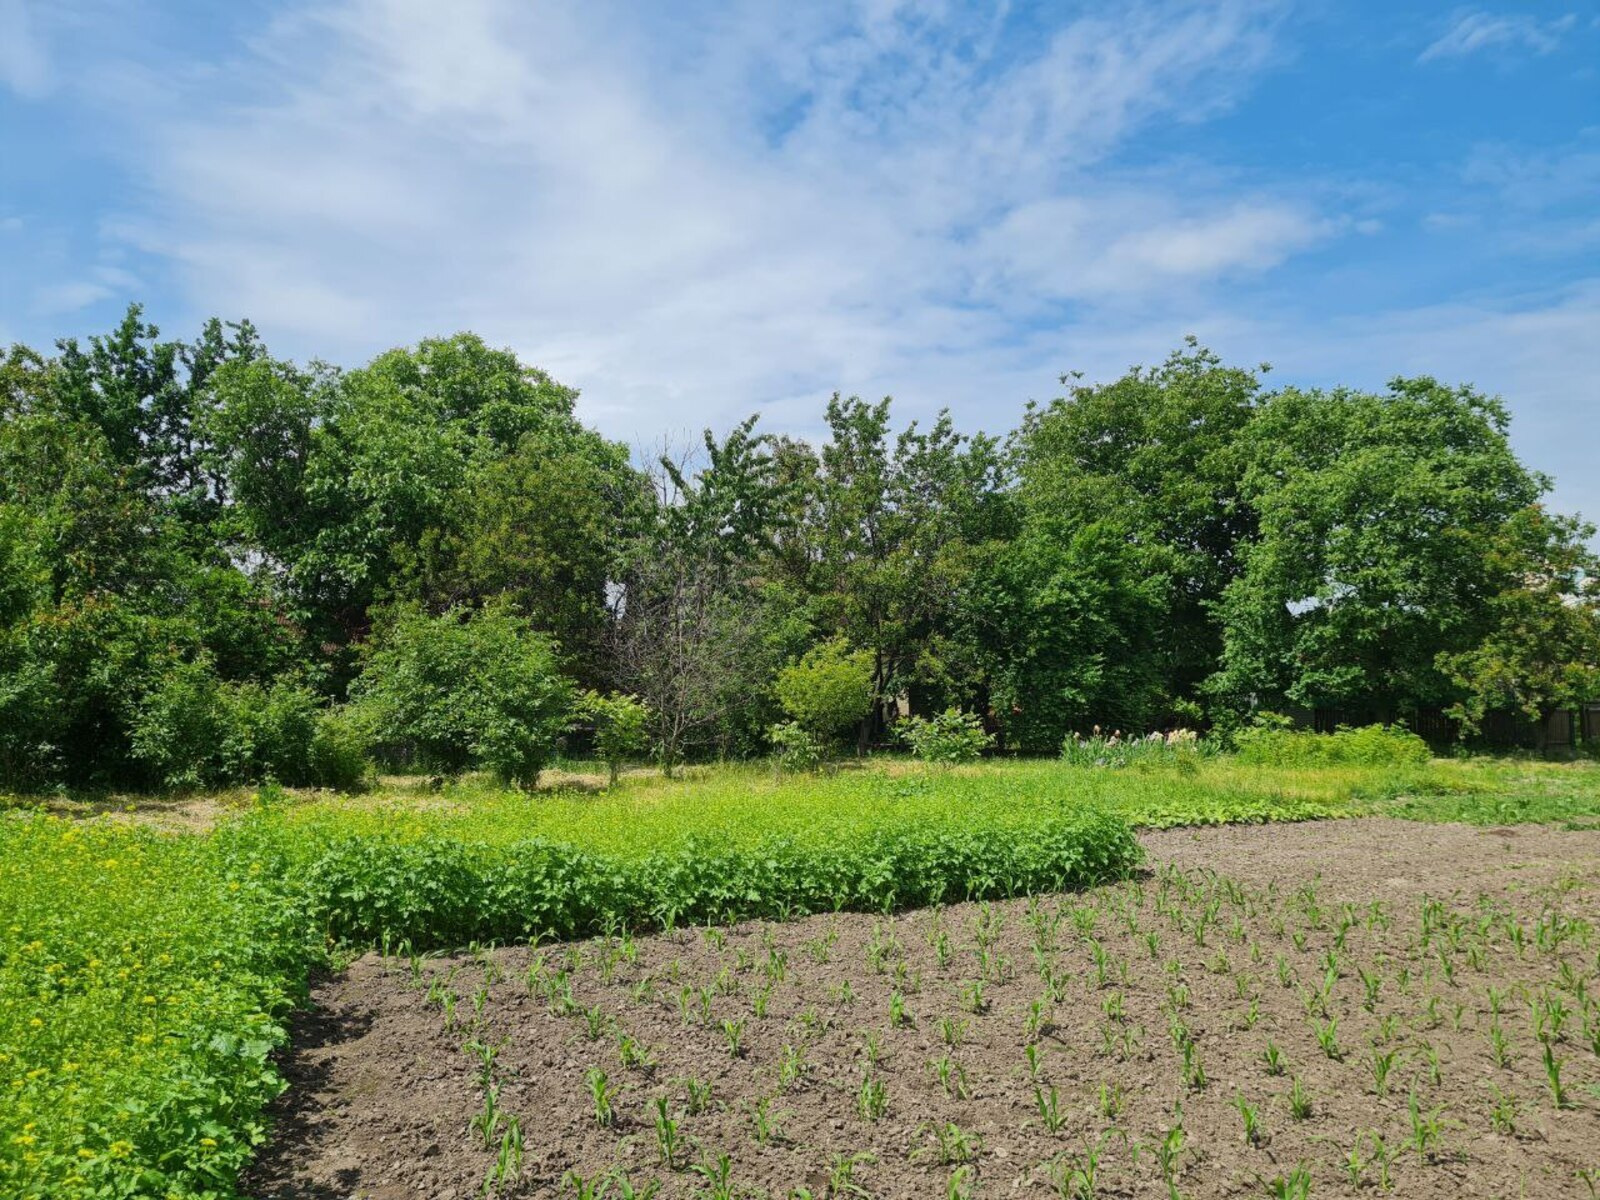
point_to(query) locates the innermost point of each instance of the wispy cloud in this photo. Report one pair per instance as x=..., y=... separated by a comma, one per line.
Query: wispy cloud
x=695, y=219
x=24, y=63
x=1473, y=31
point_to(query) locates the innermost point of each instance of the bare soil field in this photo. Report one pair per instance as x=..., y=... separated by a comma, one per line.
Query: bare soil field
x=1350, y=1007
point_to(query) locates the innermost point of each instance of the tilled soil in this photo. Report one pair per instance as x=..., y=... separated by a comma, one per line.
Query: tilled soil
x=1015, y=1049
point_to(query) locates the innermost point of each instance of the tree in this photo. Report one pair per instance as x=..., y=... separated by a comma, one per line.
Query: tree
x=886, y=533
x=1074, y=634
x=1377, y=514
x=621, y=728
x=1152, y=460
x=693, y=635
x=1541, y=652
x=465, y=688
x=829, y=690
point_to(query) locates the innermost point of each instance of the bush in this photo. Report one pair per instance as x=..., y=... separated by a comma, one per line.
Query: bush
x=1176, y=747
x=193, y=730
x=1369, y=745
x=950, y=737
x=796, y=748
x=621, y=727
x=341, y=751
x=466, y=689
x=828, y=690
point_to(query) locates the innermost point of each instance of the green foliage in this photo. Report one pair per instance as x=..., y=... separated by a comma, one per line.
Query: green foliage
x=190, y=529
x=829, y=690
x=137, y=1021
x=1370, y=745
x=194, y=730
x=949, y=737
x=466, y=689
x=1377, y=517
x=1179, y=746
x=1131, y=528
x=1541, y=651
x=796, y=747
x=621, y=727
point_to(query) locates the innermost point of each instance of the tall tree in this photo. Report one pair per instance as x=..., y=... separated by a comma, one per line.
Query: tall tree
x=1378, y=515
x=1153, y=460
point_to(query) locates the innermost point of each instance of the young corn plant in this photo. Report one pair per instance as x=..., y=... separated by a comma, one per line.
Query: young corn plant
x=952, y=1145
x=952, y=1077
x=1382, y=1065
x=1250, y=1117
x=1552, y=1074
x=1273, y=1058
x=669, y=1141
x=1427, y=1126
x=1111, y=1100
x=765, y=1124
x=507, y=1165
x=1076, y=1177
x=1299, y=1100
x=718, y=1176
x=1296, y=1185
x=601, y=1093
x=872, y=1098
x=1048, y=1103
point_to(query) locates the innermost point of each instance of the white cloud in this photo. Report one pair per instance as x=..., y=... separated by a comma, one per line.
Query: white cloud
x=24, y=63
x=72, y=295
x=693, y=218
x=1472, y=31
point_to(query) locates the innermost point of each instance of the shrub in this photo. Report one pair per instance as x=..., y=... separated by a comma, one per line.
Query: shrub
x=621, y=727
x=194, y=730
x=1175, y=747
x=1370, y=745
x=796, y=747
x=466, y=689
x=828, y=690
x=950, y=737
x=340, y=751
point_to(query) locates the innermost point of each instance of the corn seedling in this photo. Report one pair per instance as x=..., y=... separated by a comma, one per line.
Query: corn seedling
x=1299, y=1100
x=952, y=1145
x=872, y=1098
x=1296, y=1185
x=718, y=1176
x=1427, y=1125
x=1049, y=1106
x=668, y=1140
x=601, y=1093
x=1552, y=1074
x=1250, y=1116
x=951, y=1077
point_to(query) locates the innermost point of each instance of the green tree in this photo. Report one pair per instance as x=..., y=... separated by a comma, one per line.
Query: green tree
x=829, y=690
x=621, y=728
x=1541, y=650
x=1152, y=460
x=696, y=634
x=1378, y=515
x=466, y=688
x=885, y=538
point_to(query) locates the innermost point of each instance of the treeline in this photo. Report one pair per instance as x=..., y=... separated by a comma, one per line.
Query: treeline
x=220, y=566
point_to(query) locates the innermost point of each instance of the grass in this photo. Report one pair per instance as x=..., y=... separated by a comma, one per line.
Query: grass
x=145, y=969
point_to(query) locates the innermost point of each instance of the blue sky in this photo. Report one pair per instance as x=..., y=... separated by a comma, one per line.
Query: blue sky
x=691, y=211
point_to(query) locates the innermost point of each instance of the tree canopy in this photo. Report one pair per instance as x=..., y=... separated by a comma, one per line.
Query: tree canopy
x=219, y=565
